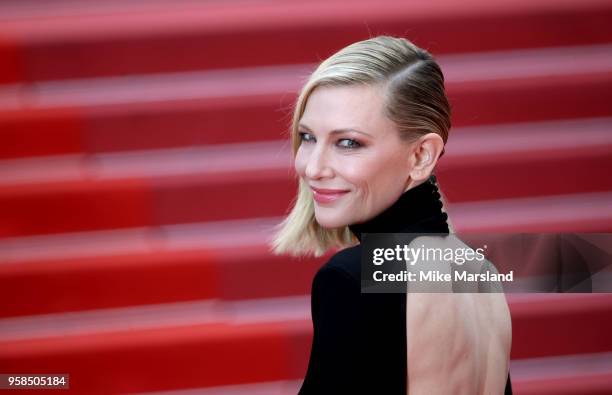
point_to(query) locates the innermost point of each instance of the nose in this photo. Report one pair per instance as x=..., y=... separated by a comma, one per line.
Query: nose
x=317, y=165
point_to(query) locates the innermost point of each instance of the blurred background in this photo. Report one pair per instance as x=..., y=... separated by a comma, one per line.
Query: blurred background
x=144, y=160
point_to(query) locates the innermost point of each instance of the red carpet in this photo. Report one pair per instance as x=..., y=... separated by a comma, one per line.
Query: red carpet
x=144, y=162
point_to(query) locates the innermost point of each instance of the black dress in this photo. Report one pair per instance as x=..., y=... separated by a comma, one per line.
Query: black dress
x=359, y=342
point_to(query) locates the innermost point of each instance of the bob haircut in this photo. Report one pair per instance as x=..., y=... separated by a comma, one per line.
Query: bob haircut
x=415, y=100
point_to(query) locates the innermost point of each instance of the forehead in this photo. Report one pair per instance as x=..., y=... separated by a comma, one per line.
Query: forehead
x=351, y=106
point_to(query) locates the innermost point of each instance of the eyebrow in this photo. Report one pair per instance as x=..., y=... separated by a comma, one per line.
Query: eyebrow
x=336, y=131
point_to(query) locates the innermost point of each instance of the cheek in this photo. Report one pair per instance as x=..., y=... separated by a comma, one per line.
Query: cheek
x=379, y=177
x=392, y=176
x=359, y=176
x=362, y=172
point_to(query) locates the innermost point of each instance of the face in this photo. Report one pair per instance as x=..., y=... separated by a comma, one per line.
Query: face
x=350, y=155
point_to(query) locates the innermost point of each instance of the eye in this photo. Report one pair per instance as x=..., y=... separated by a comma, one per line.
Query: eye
x=348, y=143
x=306, y=137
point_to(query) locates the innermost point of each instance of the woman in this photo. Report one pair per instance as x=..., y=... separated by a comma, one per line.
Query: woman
x=368, y=128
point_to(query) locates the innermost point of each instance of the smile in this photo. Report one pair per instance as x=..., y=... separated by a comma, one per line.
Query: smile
x=327, y=195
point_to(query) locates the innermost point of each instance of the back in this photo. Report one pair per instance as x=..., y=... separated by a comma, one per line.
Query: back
x=457, y=343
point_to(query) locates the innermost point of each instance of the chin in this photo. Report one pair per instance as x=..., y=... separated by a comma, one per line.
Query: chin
x=330, y=223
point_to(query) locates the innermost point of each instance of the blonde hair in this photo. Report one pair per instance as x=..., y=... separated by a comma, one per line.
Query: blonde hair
x=415, y=101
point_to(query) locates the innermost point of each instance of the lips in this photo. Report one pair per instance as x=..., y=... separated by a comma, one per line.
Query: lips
x=322, y=195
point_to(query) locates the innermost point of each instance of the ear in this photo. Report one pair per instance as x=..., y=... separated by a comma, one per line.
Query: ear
x=425, y=154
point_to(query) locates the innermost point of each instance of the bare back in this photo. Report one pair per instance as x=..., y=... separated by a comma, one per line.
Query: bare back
x=458, y=343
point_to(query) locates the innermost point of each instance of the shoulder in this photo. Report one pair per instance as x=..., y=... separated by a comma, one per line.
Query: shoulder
x=346, y=262
x=336, y=291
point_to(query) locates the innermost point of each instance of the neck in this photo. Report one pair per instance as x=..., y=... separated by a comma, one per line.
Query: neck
x=418, y=210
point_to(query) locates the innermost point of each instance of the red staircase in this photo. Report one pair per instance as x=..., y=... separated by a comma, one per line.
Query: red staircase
x=144, y=162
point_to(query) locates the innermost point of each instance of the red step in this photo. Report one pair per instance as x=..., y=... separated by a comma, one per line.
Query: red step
x=171, y=264
x=151, y=188
x=187, y=109
x=69, y=272
x=588, y=374
x=529, y=159
x=285, y=387
x=177, y=36
x=205, y=344
x=163, y=347
x=589, y=212
x=543, y=324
